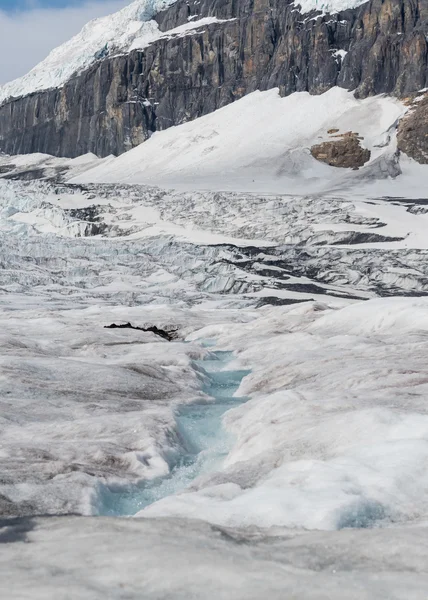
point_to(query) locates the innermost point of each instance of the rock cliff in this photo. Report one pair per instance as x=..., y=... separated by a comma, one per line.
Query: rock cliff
x=116, y=103
x=413, y=131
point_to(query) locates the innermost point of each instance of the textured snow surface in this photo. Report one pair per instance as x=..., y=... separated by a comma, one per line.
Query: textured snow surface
x=327, y=6
x=261, y=143
x=131, y=28
x=93, y=559
x=335, y=435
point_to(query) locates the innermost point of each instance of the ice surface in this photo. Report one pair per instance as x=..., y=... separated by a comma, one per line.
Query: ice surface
x=95, y=558
x=316, y=486
x=323, y=445
x=205, y=442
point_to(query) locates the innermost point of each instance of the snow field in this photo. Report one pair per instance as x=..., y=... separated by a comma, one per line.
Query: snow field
x=335, y=434
x=175, y=558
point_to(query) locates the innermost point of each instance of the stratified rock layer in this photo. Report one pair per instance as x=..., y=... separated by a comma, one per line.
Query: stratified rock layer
x=119, y=101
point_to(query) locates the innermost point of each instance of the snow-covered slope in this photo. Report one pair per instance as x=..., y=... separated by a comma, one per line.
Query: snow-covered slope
x=132, y=27
x=260, y=143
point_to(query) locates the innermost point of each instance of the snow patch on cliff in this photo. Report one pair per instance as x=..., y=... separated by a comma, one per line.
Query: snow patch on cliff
x=327, y=6
x=99, y=37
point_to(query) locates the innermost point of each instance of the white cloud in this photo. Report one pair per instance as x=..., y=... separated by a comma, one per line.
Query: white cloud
x=27, y=37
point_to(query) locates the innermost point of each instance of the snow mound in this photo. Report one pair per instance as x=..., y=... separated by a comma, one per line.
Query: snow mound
x=40, y=165
x=128, y=29
x=260, y=143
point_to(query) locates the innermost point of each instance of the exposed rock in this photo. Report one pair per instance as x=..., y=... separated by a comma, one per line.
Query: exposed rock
x=31, y=173
x=343, y=151
x=413, y=131
x=169, y=335
x=275, y=301
x=117, y=102
x=361, y=237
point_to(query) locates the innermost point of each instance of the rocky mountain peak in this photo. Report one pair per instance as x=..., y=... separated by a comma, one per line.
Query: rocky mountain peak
x=200, y=55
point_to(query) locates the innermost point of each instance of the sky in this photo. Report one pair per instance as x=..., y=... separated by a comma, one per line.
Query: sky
x=30, y=29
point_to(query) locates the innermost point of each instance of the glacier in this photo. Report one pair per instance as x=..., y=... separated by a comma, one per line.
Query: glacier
x=309, y=478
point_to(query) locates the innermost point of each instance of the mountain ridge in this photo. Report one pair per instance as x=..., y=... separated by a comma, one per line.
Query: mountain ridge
x=118, y=102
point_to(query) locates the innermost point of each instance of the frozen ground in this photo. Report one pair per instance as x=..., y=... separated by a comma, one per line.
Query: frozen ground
x=316, y=485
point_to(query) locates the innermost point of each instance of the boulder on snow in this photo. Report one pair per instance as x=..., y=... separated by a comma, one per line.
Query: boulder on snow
x=343, y=151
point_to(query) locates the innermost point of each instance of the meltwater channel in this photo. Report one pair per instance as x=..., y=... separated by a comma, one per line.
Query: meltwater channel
x=205, y=441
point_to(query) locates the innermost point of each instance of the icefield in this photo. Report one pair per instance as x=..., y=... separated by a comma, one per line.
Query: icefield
x=214, y=387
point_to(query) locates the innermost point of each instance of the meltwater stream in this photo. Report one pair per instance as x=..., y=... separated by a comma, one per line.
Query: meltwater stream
x=203, y=436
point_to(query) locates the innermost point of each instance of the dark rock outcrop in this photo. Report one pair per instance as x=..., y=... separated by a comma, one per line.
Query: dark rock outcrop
x=413, y=131
x=169, y=335
x=117, y=102
x=343, y=151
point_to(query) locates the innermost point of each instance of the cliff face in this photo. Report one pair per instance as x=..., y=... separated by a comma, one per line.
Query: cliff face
x=119, y=101
x=412, y=135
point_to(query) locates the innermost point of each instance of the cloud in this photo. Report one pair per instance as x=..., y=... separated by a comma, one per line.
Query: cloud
x=27, y=37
